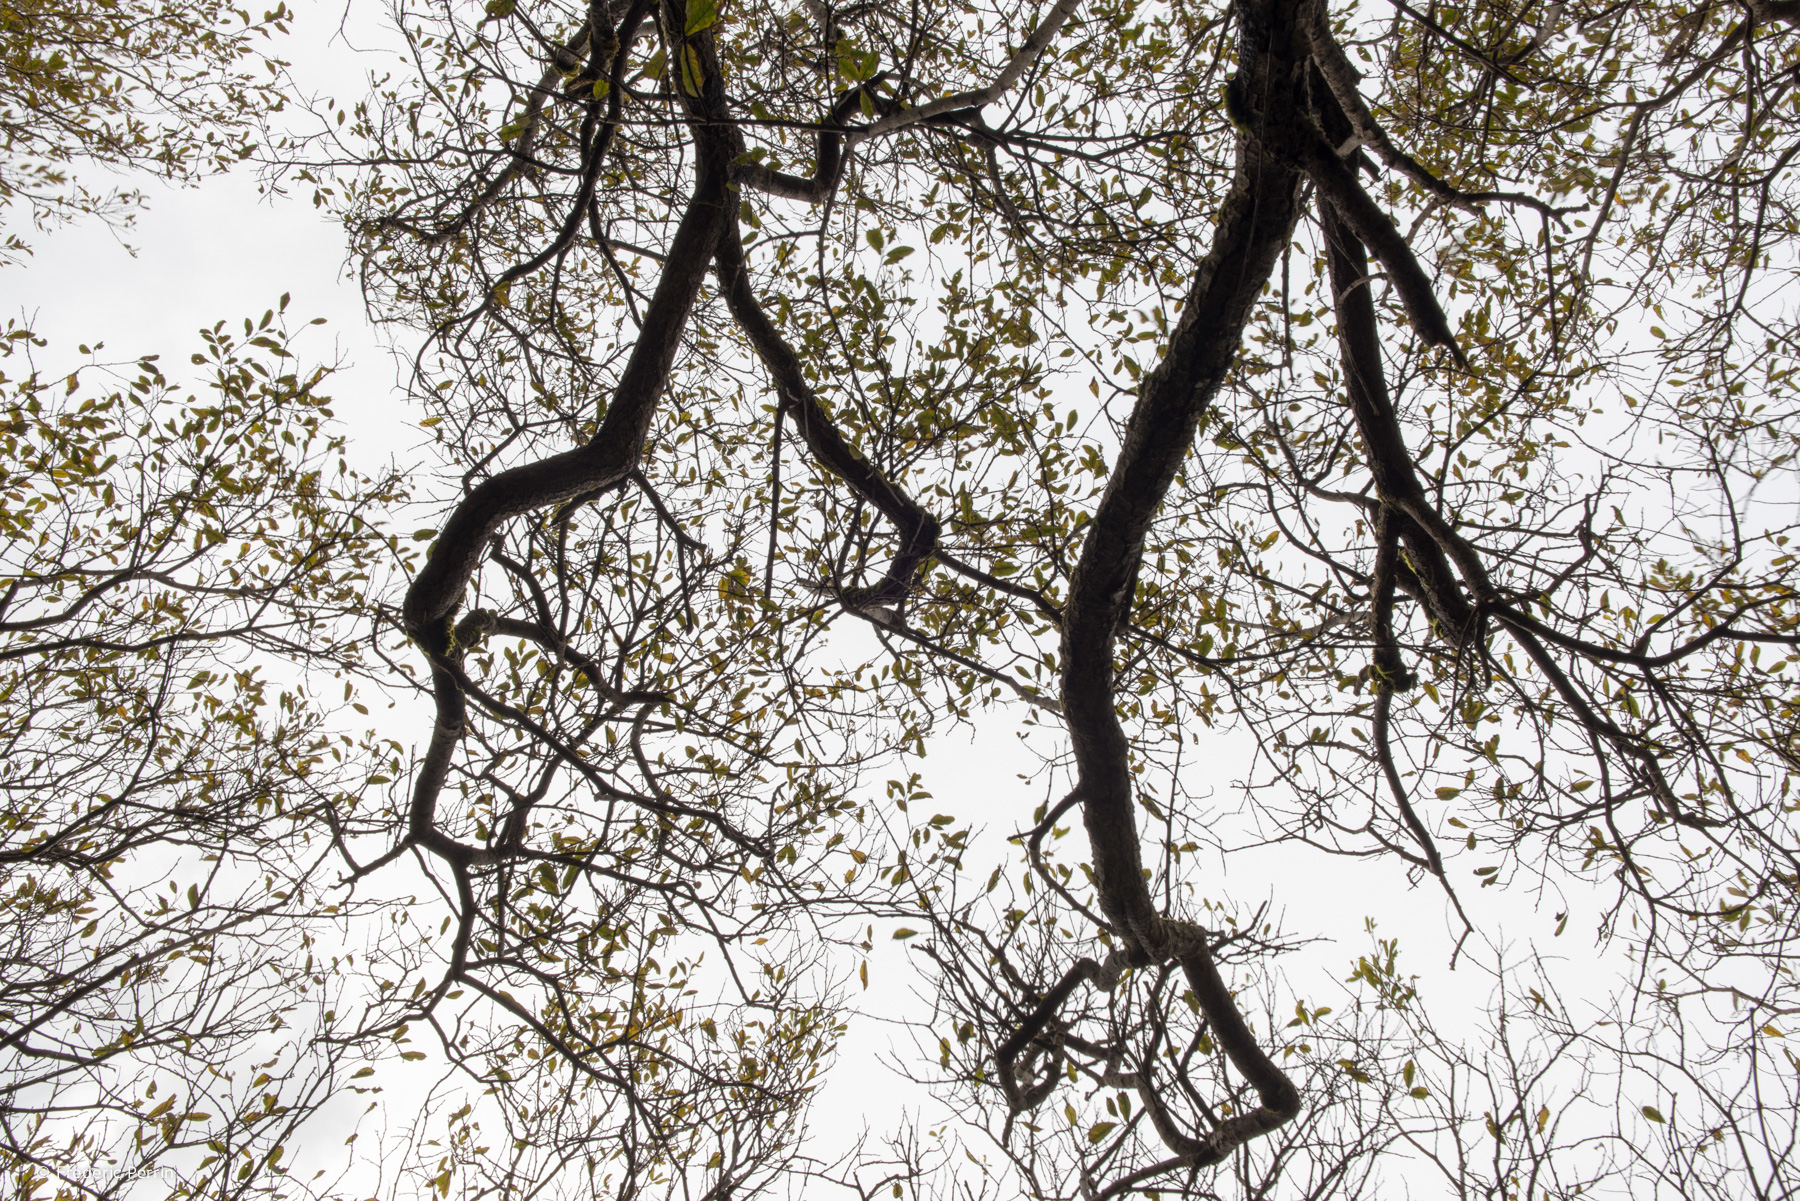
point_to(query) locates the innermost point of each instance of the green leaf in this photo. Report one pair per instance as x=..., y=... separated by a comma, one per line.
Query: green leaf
x=701, y=14
x=856, y=64
x=904, y=933
x=1100, y=1131
x=1655, y=1115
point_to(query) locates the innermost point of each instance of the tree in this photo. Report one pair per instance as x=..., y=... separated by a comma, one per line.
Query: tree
x=177, y=89
x=178, y=575
x=1443, y=477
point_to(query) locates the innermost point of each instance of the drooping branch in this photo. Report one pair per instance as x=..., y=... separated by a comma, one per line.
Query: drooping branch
x=1390, y=675
x=798, y=402
x=1432, y=547
x=613, y=452
x=1020, y=1097
x=1388, y=668
x=609, y=458
x=1338, y=186
x=1402, y=495
x=1280, y=1099
x=1254, y=222
x=1340, y=77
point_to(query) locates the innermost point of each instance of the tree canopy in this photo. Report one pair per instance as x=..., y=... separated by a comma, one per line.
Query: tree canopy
x=176, y=89
x=1361, y=431
x=179, y=574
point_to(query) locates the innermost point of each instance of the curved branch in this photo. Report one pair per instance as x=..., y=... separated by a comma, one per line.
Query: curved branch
x=918, y=528
x=613, y=453
x=1020, y=62
x=1280, y=1100
x=1339, y=187
x=1254, y=224
x=1340, y=78
x=1426, y=570
x=829, y=156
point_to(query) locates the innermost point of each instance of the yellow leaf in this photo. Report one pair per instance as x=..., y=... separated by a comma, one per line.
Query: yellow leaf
x=691, y=75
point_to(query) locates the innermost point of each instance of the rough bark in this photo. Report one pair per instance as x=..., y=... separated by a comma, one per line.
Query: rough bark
x=1254, y=223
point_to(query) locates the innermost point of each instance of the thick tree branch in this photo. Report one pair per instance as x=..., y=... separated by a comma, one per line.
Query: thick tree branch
x=1337, y=184
x=830, y=449
x=1254, y=222
x=829, y=156
x=1253, y=225
x=613, y=452
x=1401, y=494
